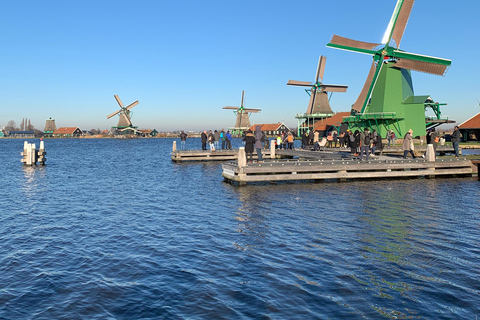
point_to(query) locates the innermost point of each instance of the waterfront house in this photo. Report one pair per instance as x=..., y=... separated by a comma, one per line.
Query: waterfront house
x=148, y=132
x=470, y=129
x=271, y=129
x=67, y=132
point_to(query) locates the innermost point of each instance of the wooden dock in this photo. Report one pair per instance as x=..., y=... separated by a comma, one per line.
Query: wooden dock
x=343, y=169
x=210, y=155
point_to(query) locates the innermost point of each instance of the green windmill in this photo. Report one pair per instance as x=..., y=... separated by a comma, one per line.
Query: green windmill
x=387, y=100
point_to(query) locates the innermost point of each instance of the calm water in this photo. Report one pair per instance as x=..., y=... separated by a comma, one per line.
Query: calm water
x=112, y=229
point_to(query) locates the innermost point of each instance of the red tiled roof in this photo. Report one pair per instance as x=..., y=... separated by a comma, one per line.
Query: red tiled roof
x=472, y=123
x=267, y=127
x=335, y=120
x=65, y=130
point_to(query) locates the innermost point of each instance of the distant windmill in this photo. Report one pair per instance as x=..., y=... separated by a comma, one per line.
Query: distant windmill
x=243, y=116
x=125, y=120
x=319, y=101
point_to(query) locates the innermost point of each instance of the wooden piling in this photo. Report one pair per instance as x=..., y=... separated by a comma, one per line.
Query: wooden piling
x=174, y=147
x=272, y=149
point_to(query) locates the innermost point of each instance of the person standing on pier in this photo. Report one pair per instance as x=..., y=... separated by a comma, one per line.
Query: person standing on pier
x=365, y=139
x=183, y=140
x=456, y=140
x=259, y=138
x=204, y=140
x=216, y=136
x=249, y=140
x=229, y=140
x=311, y=138
x=211, y=140
x=408, y=144
x=223, y=137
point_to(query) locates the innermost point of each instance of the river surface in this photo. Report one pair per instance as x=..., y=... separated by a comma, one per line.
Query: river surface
x=112, y=229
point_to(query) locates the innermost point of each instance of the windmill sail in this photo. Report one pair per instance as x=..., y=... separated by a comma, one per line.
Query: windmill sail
x=404, y=60
x=124, y=120
x=319, y=103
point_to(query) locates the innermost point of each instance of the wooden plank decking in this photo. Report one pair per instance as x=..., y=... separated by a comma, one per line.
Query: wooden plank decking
x=286, y=170
x=210, y=155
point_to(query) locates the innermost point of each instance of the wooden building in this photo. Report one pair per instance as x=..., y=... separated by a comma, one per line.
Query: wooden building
x=271, y=129
x=21, y=134
x=333, y=123
x=67, y=132
x=470, y=129
x=147, y=132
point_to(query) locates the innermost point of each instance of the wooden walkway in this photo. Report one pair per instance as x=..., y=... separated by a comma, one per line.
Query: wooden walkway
x=287, y=170
x=210, y=155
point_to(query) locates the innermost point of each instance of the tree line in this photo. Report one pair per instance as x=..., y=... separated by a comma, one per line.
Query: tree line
x=25, y=125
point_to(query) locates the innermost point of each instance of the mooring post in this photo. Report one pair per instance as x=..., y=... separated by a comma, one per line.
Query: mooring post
x=430, y=154
x=174, y=147
x=41, y=153
x=242, y=160
x=272, y=149
x=430, y=157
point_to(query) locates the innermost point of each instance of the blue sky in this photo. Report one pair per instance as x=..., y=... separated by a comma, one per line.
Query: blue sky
x=185, y=60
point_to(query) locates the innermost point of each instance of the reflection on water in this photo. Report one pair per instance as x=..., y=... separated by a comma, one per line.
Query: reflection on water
x=114, y=229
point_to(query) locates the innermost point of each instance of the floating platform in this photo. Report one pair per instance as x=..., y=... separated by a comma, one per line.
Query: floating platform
x=210, y=155
x=272, y=170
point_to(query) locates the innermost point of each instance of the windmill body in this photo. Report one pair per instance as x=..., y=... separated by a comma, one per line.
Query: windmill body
x=242, y=123
x=125, y=117
x=319, y=104
x=387, y=100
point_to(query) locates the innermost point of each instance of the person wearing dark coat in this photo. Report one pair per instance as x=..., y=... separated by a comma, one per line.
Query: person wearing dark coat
x=258, y=142
x=249, y=139
x=304, y=140
x=204, y=140
x=311, y=136
x=357, y=142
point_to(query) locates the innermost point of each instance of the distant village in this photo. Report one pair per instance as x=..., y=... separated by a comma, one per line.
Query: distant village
x=27, y=130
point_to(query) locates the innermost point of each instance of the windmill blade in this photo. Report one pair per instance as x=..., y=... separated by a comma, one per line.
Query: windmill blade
x=422, y=66
x=299, y=83
x=398, y=22
x=358, y=105
x=243, y=93
x=113, y=114
x=252, y=110
x=231, y=108
x=333, y=88
x=320, y=68
x=118, y=101
x=421, y=63
x=352, y=45
x=131, y=105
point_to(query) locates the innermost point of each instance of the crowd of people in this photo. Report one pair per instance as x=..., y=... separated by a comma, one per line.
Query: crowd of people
x=361, y=143
x=215, y=140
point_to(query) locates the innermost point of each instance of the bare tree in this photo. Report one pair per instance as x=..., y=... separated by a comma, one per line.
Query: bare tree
x=30, y=127
x=11, y=126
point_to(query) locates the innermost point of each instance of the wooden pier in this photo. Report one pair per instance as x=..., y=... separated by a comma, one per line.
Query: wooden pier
x=343, y=169
x=211, y=155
